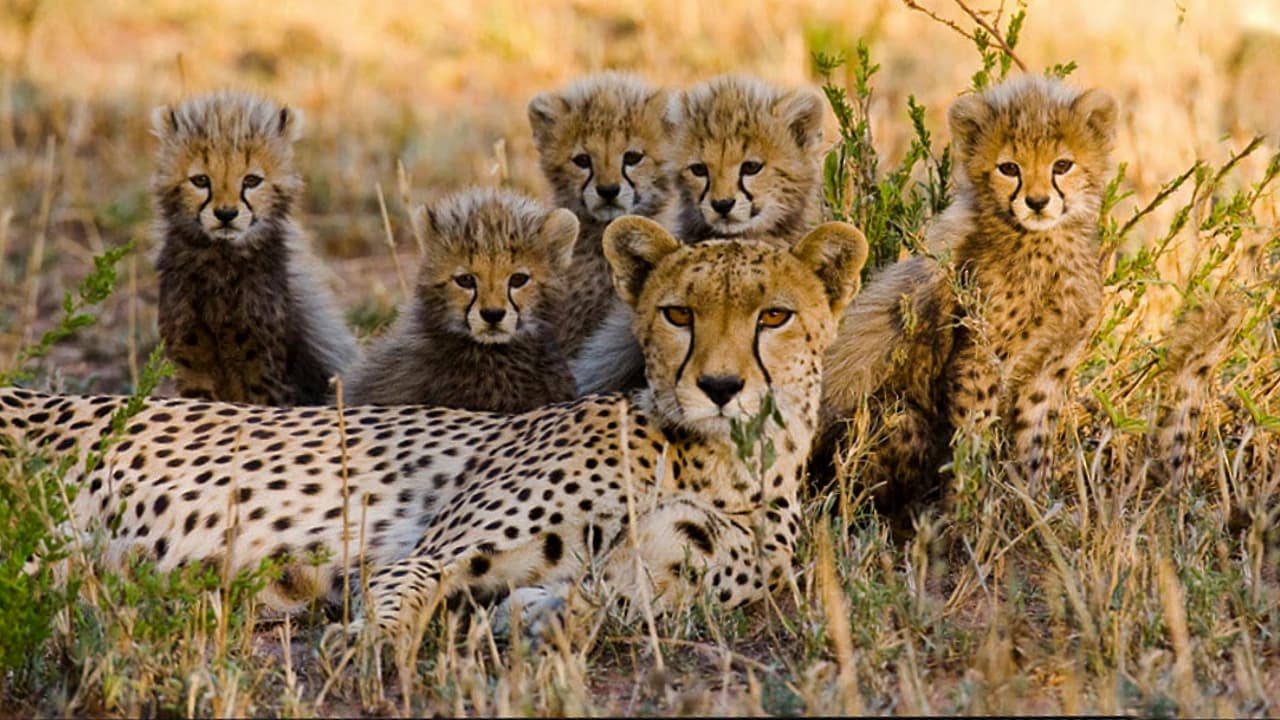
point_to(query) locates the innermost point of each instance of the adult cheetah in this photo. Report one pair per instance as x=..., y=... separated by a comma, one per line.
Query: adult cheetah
x=439, y=500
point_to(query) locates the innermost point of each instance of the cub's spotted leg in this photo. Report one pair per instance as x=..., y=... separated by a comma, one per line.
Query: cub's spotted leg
x=681, y=541
x=1035, y=406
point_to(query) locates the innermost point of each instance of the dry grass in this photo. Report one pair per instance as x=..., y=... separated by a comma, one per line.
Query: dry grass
x=1116, y=591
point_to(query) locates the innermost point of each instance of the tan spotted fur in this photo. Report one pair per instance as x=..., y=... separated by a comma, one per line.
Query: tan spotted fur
x=446, y=500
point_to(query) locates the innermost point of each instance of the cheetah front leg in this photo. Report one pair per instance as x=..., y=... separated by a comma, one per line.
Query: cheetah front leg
x=681, y=546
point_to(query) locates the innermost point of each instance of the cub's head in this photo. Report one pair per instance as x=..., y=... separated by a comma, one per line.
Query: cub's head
x=494, y=264
x=225, y=165
x=1034, y=151
x=747, y=158
x=603, y=145
x=725, y=323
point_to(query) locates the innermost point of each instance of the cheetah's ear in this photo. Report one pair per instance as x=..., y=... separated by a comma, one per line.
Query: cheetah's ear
x=559, y=233
x=801, y=110
x=968, y=115
x=633, y=246
x=545, y=110
x=164, y=121
x=835, y=251
x=288, y=124
x=425, y=221
x=1099, y=112
x=664, y=105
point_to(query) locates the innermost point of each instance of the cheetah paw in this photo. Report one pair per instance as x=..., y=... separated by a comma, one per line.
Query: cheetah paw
x=541, y=612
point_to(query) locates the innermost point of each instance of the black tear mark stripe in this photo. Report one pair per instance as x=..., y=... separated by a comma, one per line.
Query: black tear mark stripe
x=755, y=351
x=1016, y=190
x=630, y=182
x=689, y=352
x=1053, y=179
x=742, y=185
x=591, y=173
x=244, y=199
x=208, y=198
x=512, y=300
x=706, y=187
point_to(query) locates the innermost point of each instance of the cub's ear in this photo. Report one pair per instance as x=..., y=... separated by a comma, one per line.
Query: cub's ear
x=835, y=251
x=426, y=222
x=801, y=110
x=1099, y=112
x=664, y=106
x=164, y=121
x=634, y=245
x=968, y=115
x=545, y=109
x=288, y=124
x=559, y=233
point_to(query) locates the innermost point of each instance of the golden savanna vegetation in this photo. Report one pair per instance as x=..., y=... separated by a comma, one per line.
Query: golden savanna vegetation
x=1123, y=589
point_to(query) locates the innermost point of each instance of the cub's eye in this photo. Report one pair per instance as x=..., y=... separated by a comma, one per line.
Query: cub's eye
x=775, y=317
x=252, y=181
x=677, y=315
x=1061, y=166
x=466, y=280
x=1009, y=169
x=751, y=167
x=632, y=157
x=698, y=170
x=518, y=280
x=582, y=160
x=200, y=181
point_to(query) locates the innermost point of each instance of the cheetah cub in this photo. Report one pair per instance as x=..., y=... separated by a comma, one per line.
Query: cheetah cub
x=479, y=331
x=602, y=144
x=243, y=314
x=1020, y=246
x=747, y=165
x=748, y=161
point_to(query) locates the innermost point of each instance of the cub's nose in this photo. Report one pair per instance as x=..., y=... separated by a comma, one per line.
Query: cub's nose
x=226, y=214
x=493, y=316
x=722, y=206
x=720, y=388
x=1038, y=203
x=608, y=192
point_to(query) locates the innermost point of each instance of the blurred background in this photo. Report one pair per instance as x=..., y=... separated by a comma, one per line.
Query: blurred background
x=441, y=89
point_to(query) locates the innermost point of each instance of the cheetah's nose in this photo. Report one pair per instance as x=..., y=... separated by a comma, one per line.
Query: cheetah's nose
x=723, y=205
x=608, y=192
x=493, y=316
x=720, y=388
x=1038, y=203
x=226, y=214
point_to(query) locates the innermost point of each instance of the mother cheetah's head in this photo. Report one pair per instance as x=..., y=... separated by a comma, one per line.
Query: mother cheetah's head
x=725, y=323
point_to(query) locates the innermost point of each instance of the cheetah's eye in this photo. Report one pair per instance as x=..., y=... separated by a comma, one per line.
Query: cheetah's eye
x=518, y=280
x=775, y=317
x=698, y=170
x=678, y=315
x=466, y=280
x=632, y=157
x=200, y=181
x=1061, y=166
x=582, y=160
x=251, y=181
x=1009, y=169
x=751, y=167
